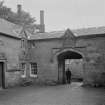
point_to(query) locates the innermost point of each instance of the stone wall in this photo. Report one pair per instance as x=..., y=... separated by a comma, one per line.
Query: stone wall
x=91, y=48
x=76, y=67
x=11, y=49
x=42, y=55
x=94, y=67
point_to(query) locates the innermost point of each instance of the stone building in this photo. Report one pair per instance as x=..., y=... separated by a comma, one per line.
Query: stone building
x=41, y=58
x=13, y=52
x=48, y=52
x=10, y=45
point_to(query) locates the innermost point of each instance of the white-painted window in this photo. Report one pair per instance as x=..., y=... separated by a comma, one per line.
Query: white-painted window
x=23, y=68
x=33, y=69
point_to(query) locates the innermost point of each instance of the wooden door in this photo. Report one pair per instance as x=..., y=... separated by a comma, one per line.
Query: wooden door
x=1, y=75
x=61, y=72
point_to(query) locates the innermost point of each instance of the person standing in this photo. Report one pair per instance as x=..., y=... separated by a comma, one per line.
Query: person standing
x=68, y=76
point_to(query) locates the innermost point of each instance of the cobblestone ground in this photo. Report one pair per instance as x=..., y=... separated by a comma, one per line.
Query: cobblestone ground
x=72, y=94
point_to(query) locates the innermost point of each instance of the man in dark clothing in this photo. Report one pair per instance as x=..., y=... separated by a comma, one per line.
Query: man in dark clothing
x=68, y=76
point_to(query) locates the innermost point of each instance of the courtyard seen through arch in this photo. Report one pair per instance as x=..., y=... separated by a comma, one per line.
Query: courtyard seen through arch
x=72, y=60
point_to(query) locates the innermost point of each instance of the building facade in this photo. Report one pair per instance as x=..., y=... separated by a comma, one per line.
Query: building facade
x=41, y=58
x=48, y=51
x=9, y=56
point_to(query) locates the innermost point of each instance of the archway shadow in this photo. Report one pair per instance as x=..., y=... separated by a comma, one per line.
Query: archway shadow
x=62, y=57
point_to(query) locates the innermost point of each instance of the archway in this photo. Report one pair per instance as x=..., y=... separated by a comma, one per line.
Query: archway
x=62, y=58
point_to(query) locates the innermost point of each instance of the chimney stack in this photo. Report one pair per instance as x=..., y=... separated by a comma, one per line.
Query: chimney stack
x=42, y=26
x=19, y=9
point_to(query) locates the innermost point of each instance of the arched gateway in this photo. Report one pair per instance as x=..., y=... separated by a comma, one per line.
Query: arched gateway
x=61, y=57
x=50, y=51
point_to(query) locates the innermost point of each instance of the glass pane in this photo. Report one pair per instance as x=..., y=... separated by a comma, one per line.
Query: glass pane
x=33, y=68
x=23, y=68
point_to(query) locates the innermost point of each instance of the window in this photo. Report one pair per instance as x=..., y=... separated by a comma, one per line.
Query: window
x=23, y=67
x=33, y=44
x=33, y=69
x=22, y=43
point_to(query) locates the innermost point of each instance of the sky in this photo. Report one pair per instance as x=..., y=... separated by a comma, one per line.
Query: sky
x=63, y=14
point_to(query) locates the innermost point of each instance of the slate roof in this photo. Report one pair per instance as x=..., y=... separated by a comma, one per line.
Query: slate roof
x=9, y=28
x=47, y=35
x=76, y=32
x=13, y=30
x=89, y=31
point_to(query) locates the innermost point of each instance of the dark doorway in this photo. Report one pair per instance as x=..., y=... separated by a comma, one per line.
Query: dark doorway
x=2, y=85
x=71, y=55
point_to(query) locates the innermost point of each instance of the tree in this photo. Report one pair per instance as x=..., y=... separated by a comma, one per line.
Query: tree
x=1, y=4
x=24, y=19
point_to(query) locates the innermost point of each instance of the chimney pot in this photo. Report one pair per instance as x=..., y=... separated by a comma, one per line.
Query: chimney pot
x=42, y=26
x=19, y=8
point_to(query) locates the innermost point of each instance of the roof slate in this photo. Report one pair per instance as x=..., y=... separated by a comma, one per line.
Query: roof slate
x=47, y=35
x=76, y=32
x=9, y=28
x=13, y=30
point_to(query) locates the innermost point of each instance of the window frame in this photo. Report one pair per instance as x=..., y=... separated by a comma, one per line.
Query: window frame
x=33, y=45
x=33, y=75
x=23, y=70
x=23, y=43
